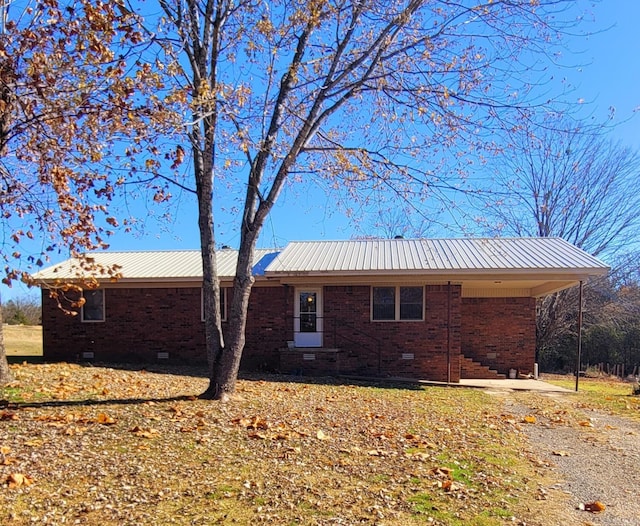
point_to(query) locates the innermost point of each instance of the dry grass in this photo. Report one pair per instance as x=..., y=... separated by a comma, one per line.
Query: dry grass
x=23, y=340
x=98, y=445
x=606, y=393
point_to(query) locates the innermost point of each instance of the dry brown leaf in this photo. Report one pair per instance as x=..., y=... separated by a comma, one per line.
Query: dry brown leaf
x=441, y=471
x=8, y=415
x=594, y=507
x=585, y=423
x=561, y=453
x=17, y=480
x=144, y=432
x=529, y=419
x=105, y=420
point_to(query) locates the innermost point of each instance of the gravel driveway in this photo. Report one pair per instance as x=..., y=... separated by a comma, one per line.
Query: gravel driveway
x=595, y=458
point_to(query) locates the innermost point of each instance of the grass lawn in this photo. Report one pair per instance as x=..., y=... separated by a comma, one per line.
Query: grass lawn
x=606, y=393
x=23, y=340
x=97, y=445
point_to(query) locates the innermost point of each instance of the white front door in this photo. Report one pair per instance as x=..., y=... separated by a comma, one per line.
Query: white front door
x=308, y=317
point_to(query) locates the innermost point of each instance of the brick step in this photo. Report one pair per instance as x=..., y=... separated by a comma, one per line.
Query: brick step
x=470, y=369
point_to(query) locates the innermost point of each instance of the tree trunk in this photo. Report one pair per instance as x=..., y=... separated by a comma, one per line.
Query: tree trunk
x=214, y=339
x=5, y=372
x=225, y=375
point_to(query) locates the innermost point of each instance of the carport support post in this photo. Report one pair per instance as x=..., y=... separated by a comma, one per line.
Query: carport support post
x=448, y=332
x=579, y=336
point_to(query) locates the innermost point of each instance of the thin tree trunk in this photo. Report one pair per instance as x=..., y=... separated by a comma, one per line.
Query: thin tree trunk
x=225, y=374
x=5, y=372
x=214, y=339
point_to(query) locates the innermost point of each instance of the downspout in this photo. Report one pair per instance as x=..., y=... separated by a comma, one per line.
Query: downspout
x=579, y=336
x=448, y=332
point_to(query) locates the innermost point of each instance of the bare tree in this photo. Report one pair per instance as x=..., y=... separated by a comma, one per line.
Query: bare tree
x=359, y=93
x=22, y=310
x=566, y=179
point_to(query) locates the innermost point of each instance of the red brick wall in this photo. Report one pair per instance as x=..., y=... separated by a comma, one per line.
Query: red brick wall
x=500, y=332
x=140, y=322
x=143, y=321
x=377, y=348
x=268, y=327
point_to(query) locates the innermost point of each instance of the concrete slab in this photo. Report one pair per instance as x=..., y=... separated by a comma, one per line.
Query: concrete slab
x=518, y=385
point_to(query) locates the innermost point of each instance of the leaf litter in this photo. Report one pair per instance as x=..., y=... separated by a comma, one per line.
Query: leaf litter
x=107, y=445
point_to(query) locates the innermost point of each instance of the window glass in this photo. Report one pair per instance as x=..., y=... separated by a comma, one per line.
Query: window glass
x=411, y=303
x=397, y=303
x=384, y=303
x=308, y=312
x=93, y=308
x=223, y=304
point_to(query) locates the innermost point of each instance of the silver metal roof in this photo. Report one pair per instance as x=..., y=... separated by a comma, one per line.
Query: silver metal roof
x=433, y=255
x=153, y=265
x=490, y=256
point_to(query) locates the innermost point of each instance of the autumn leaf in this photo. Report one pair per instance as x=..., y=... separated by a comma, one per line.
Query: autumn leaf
x=8, y=415
x=593, y=507
x=144, y=432
x=585, y=423
x=321, y=436
x=4, y=459
x=105, y=420
x=17, y=480
x=561, y=453
x=529, y=419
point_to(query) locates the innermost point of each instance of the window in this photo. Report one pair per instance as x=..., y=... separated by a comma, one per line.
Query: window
x=93, y=307
x=223, y=305
x=397, y=303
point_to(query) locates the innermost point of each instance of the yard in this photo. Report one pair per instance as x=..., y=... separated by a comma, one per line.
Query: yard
x=100, y=445
x=23, y=340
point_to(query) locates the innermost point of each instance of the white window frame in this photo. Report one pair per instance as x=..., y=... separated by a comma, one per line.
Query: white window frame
x=104, y=307
x=224, y=307
x=396, y=317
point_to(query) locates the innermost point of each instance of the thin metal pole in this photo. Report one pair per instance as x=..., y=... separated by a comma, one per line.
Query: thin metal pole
x=448, y=332
x=579, y=336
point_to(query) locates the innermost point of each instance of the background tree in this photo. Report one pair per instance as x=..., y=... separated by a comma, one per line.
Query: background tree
x=566, y=179
x=23, y=310
x=363, y=94
x=74, y=99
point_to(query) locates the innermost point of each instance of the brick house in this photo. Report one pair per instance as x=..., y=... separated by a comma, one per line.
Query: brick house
x=435, y=309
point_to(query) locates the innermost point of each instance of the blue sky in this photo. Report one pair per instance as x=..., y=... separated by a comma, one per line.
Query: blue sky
x=606, y=75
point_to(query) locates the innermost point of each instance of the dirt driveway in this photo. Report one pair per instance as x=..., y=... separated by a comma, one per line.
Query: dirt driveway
x=586, y=455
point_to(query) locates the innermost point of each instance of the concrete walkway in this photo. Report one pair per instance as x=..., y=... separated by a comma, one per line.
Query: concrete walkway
x=517, y=385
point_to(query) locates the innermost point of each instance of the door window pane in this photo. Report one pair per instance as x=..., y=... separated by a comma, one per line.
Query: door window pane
x=308, y=312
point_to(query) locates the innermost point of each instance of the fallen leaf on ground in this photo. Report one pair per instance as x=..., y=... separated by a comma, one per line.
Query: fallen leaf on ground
x=105, y=420
x=561, y=453
x=16, y=480
x=529, y=419
x=593, y=507
x=144, y=432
